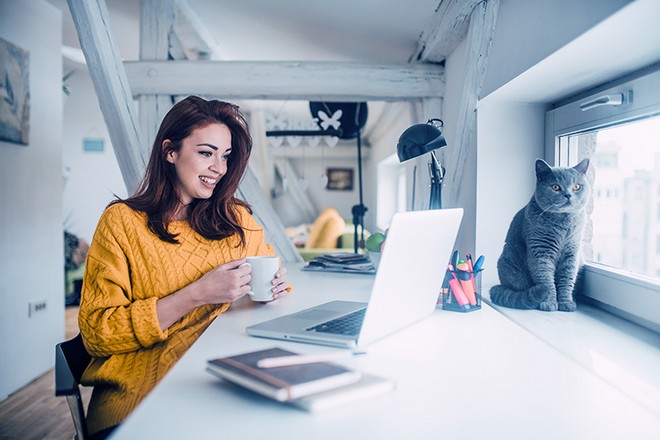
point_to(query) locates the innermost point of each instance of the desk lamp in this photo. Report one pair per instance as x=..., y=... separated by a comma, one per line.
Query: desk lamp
x=420, y=139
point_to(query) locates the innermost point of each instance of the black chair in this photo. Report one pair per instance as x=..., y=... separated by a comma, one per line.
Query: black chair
x=71, y=359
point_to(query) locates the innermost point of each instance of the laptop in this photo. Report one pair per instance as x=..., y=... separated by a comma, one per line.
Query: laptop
x=418, y=247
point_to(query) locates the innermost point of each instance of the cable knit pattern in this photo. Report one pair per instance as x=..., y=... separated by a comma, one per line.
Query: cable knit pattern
x=128, y=269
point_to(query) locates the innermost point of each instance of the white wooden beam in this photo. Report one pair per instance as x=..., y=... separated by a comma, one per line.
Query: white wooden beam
x=156, y=22
x=262, y=210
x=115, y=98
x=480, y=36
x=329, y=81
x=307, y=209
x=446, y=29
x=193, y=34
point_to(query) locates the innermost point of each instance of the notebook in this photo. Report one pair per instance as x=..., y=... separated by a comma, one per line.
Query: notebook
x=412, y=266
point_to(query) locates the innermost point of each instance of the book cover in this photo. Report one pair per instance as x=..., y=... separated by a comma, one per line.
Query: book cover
x=369, y=386
x=281, y=383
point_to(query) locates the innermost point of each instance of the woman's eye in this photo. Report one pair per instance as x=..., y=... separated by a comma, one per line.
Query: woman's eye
x=226, y=156
x=577, y=187
x=206, y=153
x=555, y=187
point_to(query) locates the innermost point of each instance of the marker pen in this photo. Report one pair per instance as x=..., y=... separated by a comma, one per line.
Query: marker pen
x=479, y=263
x=454, y=258
x=466, y=282
x=468, y=258
x=456, y=289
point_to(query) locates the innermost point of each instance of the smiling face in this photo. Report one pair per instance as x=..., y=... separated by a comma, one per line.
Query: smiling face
x=201, y=161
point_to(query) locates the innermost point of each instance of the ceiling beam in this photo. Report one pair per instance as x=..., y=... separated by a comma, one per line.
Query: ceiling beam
x=479, y=39
x=328, y=81
x=446, y=29
x=112, y=89
x=193, y=35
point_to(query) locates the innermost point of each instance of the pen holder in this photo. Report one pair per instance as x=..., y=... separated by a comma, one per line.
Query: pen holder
x=463, y=292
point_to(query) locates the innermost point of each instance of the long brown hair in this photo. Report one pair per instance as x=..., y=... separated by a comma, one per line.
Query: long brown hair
x=213, y=218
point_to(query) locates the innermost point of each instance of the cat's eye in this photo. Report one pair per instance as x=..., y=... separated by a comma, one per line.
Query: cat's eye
x=577, y=187
x=555, y=187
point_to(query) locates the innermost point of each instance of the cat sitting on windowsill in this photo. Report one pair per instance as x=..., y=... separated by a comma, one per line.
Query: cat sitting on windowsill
x=540, y=260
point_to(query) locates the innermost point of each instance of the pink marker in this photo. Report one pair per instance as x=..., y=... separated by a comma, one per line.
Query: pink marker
x=466, y=282
x=456, y=289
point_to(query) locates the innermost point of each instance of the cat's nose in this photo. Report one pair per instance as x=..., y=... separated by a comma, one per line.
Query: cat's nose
x=568, y=196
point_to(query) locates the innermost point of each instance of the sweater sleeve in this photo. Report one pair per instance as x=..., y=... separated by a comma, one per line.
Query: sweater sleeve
x=111, y=320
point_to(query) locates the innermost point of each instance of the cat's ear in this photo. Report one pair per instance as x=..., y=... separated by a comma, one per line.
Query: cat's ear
x=542, y=169
x=583, y=166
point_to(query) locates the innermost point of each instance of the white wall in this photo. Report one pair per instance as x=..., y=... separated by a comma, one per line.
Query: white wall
x=31, y=236
x=510, y=137
x=455, y=68
x=527, y=32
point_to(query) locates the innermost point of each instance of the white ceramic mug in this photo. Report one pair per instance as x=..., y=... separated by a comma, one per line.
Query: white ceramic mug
x=263, y=272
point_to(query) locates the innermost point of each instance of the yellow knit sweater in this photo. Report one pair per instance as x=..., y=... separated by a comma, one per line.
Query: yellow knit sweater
x=128, y=269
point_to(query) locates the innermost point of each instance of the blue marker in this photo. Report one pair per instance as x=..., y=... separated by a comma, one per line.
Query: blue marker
x=454, y=258
x=478, y=264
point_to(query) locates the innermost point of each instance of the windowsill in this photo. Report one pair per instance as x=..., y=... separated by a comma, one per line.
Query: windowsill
x=622, y=353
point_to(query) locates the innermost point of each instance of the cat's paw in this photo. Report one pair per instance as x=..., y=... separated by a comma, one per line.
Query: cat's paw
x=548, y=306
x=567, y=306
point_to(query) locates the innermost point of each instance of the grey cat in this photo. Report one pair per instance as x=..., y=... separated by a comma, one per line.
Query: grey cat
x=540, y=260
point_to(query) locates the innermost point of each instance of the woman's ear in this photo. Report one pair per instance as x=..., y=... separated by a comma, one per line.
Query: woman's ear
x=170, y=153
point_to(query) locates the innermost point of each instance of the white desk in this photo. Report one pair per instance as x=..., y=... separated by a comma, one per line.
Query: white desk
x=475, y=375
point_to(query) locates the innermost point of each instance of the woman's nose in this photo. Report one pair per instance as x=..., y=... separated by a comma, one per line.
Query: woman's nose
x=219, y=166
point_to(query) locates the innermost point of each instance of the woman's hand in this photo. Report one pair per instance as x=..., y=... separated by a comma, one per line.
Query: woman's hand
x=225, y=283
x=280, y=284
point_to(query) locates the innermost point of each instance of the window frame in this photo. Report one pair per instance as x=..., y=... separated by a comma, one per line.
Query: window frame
x=632, y=296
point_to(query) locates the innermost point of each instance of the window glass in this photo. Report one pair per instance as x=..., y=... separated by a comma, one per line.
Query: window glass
x=625, y=215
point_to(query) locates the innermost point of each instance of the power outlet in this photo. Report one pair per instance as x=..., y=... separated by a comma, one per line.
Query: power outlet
x=36, y=307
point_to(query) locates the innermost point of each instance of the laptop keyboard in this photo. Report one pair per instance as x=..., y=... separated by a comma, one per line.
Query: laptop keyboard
x=344, y=325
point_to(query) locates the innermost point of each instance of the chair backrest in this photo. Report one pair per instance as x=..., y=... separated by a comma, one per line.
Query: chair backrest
x=71, y=359
x=325, y=231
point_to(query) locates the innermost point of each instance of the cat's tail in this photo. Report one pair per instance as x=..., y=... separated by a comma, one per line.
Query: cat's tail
x=518, y=299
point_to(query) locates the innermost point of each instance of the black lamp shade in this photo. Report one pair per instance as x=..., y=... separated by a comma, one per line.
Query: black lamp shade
x=419, y=139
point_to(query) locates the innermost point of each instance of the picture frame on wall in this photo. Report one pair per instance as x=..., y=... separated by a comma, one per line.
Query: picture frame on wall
x=15, y=93
x=340, y=179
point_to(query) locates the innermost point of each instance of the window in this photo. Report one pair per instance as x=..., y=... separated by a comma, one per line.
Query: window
x=390, y=190
x=618, y=128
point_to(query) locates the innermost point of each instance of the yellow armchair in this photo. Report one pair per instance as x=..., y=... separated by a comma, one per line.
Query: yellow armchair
x=329, y=233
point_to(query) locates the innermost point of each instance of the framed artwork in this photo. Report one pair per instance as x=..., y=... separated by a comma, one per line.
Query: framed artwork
x=340, y=179
x=14, y=93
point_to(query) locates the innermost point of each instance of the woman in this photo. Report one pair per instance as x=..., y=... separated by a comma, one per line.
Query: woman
x=165, y=262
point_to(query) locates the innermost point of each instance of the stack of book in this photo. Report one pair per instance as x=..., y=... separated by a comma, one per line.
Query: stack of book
x=316, y=386
x=345, y=262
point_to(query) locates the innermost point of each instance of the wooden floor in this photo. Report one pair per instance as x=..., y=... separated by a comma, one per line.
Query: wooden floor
x=33, y=412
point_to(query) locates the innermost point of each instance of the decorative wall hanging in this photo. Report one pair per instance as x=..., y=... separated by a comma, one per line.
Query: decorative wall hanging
x=14, y=93
x=282, y=130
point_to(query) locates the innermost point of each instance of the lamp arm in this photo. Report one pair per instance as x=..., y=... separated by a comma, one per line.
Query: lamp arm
x=437, y=174
x=359, y=210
